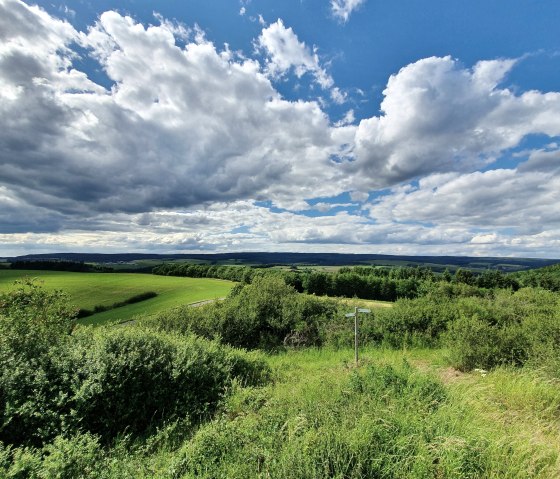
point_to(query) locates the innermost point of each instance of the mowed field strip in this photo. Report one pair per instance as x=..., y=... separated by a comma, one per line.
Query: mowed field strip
x=87, y=290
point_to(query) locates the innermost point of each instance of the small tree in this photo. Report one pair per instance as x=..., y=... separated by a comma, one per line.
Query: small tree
x=33, y=320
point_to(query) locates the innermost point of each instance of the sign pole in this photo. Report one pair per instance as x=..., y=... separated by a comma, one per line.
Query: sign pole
x=355, y=315
x=356, y=335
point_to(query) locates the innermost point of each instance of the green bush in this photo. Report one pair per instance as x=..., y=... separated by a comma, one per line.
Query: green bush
x=510, y=329
x=410, y=322
x=128, y=380
x=78, y=457
x=19, y=463
x=266, y=314
x=123, y=380
x=106, y=381
x=35, y=328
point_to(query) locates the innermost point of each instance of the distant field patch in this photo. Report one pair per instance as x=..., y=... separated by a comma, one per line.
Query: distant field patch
x=352, y=302
x=88, y=290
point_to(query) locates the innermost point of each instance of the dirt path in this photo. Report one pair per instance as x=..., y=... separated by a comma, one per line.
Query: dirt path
x=194, y=305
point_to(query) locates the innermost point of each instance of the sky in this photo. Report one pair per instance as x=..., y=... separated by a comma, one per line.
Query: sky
x=352, y=126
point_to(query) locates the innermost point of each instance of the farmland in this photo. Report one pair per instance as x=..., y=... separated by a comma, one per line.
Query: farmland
x=87, y=290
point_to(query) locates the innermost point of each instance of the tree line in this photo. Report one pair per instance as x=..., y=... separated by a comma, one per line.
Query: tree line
x=61, y=265
x=375, y=283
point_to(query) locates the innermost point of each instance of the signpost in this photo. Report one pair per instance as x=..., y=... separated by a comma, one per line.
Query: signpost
x=355, y=316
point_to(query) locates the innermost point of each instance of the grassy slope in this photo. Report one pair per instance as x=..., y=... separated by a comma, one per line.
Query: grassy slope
x=87, y=290
x=504, y=424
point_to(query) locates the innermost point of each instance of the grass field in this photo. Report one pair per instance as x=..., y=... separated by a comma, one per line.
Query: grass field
x=87, y=290
x=370, y=303
x=323, y=417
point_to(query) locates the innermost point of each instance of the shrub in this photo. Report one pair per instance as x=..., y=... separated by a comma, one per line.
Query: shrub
x=108, y=381
x=512, y=329
x=35, y=328
x=77, y=457
x=122, y=381
x=266, y=314
x=131, y=379
x=410, y=322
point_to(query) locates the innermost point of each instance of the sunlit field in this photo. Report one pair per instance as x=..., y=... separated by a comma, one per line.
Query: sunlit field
x=87, y=290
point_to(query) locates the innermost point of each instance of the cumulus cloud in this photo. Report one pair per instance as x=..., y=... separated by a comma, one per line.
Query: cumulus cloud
x=286, y=52
x=342, y=9
x=180, y=125
x=216, y=227
x=438, y=116
x=189, y=138
x=521, y=199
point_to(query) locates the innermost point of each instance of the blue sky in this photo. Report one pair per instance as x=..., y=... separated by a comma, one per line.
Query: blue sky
x=399, y=127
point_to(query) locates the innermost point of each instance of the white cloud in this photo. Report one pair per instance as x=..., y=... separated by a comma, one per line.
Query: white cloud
x=213, y=228
x=338, y=96
x=188, y=136
x=286, y=52
x=348, y=119
x=180, y=126
x=359, y=196
x=503, y=200
x=439, y=116
x=342, y=9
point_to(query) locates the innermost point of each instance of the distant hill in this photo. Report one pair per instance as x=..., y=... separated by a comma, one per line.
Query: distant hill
x=437, y=263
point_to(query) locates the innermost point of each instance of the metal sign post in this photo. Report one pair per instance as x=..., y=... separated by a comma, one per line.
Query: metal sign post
x=355, y=316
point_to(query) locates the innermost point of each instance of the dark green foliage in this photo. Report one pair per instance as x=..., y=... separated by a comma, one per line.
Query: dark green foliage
x=546, y=278
x=410, y=322
x=418, y=322
x=232, y=273
x=35, y=328
x=82, y=313
x=130, y=379
x=60, y=265
x=266, y=314
x=124, y=381
x=510, y=328
x=449, y=290
x=363, y=282
x=32, y=320
x=107, y=381
x=377, y=283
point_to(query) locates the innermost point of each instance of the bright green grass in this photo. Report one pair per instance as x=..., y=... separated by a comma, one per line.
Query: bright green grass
x=86, y=290
x=312, y=423
x=314, y=420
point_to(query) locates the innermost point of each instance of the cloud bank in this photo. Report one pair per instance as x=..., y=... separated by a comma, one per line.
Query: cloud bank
x=191, y=146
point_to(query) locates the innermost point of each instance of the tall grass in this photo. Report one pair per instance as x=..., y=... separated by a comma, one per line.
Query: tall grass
x=324, y=418
x=396, y=416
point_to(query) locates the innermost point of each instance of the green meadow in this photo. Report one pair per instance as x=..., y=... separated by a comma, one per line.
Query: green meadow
x=400, y=414
x=87, y=290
